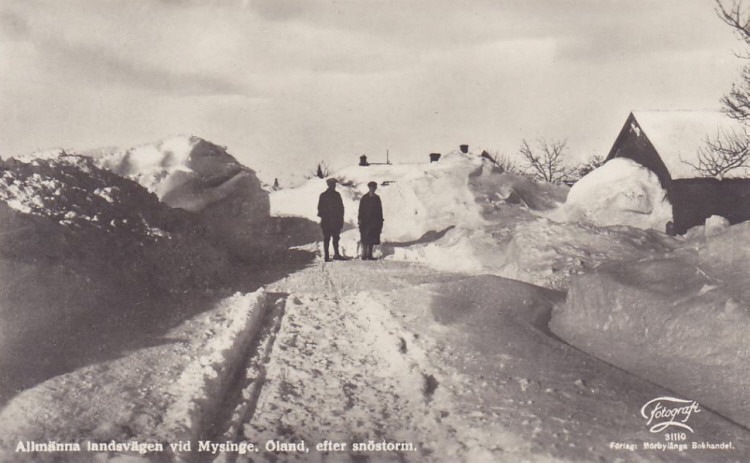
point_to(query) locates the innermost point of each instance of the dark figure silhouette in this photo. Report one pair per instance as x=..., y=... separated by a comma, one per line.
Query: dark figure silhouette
x=370, y=221
x=331, y=213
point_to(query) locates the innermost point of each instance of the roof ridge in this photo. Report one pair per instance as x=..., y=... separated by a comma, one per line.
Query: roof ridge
x=676, y=111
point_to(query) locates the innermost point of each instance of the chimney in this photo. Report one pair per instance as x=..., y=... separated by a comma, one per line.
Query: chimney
x=464, y=148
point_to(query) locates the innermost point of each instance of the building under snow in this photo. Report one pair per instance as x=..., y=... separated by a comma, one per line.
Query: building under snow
x=669, y=143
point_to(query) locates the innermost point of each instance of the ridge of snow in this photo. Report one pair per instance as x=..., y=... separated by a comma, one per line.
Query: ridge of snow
x=71, y=190
x=679, y=320
x=200, y=388
x=417, y=198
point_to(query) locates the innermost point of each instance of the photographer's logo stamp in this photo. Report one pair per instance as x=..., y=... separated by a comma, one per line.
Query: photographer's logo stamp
x=665, y=412
x=670, y=417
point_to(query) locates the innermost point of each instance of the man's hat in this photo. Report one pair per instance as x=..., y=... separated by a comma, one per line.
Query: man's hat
x=331, y=181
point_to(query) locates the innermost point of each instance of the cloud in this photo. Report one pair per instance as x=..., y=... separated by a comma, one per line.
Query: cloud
x=98, y=65
x=282, y=10
x=358, y=75
x=13, y=27
x=125, y=48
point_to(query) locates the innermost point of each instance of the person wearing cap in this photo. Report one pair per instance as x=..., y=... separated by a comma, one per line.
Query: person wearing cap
x=370, y=220
x=331, y=213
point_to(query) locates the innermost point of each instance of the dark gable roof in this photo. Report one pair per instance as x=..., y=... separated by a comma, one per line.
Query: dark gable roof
x=678, y=137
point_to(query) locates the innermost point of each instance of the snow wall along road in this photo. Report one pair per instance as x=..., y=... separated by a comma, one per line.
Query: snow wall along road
x=681, y=321
x=198, y=176
x=81, y=245
x=417, y=198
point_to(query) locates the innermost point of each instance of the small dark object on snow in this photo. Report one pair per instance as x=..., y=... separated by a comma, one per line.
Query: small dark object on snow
x=464, y=148
x=434, y=157
x=402, y=345
x=430, y=385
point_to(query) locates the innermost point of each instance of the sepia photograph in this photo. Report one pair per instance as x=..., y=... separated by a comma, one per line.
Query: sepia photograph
x=365, y=231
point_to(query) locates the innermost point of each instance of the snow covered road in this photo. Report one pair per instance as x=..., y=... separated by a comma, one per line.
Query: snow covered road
x=438, y=367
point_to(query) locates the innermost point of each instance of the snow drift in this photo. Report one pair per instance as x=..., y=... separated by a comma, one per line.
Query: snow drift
x=186, y=172
x=417, y=198
x=535, y=250
x=461, y=214
x=492, y=187
x=198, y=176
x=680, y=321
x=80, y=245
x=621, y=192
x=454, y=198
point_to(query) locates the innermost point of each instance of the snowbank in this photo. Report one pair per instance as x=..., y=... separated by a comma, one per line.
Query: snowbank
x=185, y=172
x=162, y=393
x=200, y=389
x=417, y=198
x=621, y=192
x=81, y=247
x=491, y=187
x=725, y=252
x=63, y=225
x=198, y=176
x=535, y=250
x=680, y=321
x=71, y=191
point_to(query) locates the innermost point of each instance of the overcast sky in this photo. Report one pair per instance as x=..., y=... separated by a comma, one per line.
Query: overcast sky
x=287, y=83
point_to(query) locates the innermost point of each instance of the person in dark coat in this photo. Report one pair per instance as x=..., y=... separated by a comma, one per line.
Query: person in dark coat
x=331, y=213
x=370, y=220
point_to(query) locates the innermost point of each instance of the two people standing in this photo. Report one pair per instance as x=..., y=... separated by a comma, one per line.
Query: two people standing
x=331, y=213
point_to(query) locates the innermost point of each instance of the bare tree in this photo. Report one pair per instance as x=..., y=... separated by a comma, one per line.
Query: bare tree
x=503, y=162
x=321, y=171
x=734, y=16
x=737, y=101
x=730, y=150
x=726, y=152
x=585, y=168
x=546, y=163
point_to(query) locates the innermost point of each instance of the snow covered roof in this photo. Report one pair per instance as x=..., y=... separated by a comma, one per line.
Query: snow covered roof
x=679, y=135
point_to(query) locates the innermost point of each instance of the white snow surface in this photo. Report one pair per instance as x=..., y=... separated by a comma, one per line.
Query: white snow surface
x=463, y=367
x=680, y=320
x=200, y=388
x=538, y=251
x=190, y=173
x=678, y=137
x=164, y=393
x=621, y=192
x=417, y=198
x=154, y=166
x=460, y=215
